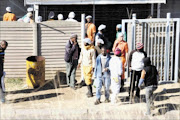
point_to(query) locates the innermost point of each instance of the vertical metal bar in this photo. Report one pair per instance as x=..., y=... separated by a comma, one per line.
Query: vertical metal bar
x=148, y=48
x=36, y=9
x=145, y=39
x=142, y=33
x=134, y=32
x=152, y=9
x=158, y=57
x=94, y=11
x=152, y=36
x=162, y=51
x=167, y=48
x=158, y=10
x=177, y=51
x=155, y=45
x=82, y=28
x=35, y=40
x=172, y=51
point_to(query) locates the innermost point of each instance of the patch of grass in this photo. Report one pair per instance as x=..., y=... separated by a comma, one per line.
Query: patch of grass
x=14, y=81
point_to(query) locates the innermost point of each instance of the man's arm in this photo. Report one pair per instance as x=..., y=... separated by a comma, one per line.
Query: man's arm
x=143, y=73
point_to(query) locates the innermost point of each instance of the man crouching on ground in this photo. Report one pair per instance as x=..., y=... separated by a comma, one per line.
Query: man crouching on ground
x=87, y=58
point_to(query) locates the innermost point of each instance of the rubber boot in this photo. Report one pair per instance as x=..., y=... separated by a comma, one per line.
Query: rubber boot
x=89, y=94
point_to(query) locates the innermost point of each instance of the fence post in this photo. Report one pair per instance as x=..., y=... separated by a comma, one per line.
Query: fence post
x=167, y=45
x=133, y=32
x=35, y=40
x=82, y=28
x=177, y=58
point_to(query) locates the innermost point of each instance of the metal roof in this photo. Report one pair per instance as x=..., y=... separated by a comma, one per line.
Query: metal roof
x=88, y=2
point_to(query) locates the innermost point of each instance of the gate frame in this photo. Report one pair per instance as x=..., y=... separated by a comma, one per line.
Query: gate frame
x=167, y=20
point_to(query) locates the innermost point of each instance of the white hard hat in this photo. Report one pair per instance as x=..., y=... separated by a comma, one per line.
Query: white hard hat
x=39, y=19
x=60, y=17
x=119, y=26
x=88, y=17
x=71, y=15
x=8, y=9
x=29, y=14
x=87, y=40
x=101, y=27
x=30, y=9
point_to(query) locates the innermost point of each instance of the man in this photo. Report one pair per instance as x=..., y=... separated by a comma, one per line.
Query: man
x=119, y=30
x=100, y=35
x=60, y=17
x=3, y=47
x=87, y=59
x=149, y=76
x=136, y=65
x=123, y=46
x=115, y=67
x=102, y=75
x=90, y=28
x=72, y=52
x=29, y=18
x=9, y=16
x=71, y=17
x=99, y=44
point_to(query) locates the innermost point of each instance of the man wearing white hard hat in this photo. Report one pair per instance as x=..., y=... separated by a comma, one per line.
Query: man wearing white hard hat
x=87, y=59
x=9, y=16
x=98, y=45
x=51, y=16
x=71, y=17
x=29, y=10
x=100, y=35
x=90, y=28
x=123, y=46
x=119, y=30
x=28, y=18
x=60, y=17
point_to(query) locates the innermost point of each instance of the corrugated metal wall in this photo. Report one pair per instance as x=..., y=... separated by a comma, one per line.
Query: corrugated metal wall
x=52, y=38
x=20, y=39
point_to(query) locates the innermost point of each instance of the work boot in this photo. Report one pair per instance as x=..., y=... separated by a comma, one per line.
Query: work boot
x=107, y=100
x=82, y=83
x=97, y=102
x=89, y=94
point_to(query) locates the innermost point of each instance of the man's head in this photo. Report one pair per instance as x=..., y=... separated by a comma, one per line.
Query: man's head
x=117, y=52
x=102, y=28
x=4, y=44
x=118, y=27
x=139, y=47
x=71, y=15
x=121, y=36
x=8, y=9
x=87, y=42
x=99, y=42
x=89, y=18
x=73, y=37
x=103, y=51
x=147, y=61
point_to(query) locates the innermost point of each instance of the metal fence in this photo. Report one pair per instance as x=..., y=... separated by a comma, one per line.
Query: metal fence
x=161, y=42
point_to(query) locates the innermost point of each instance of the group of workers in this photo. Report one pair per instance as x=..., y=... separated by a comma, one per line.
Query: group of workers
x=100, y=68
x=28, y=18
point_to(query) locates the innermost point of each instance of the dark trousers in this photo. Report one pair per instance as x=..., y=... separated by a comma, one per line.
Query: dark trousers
x=71, y=73
x=136, y=75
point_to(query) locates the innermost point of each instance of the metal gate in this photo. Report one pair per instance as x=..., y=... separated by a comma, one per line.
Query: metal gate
x=161, y=42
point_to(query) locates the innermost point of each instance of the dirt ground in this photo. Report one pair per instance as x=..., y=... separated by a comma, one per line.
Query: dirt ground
x=65, y=103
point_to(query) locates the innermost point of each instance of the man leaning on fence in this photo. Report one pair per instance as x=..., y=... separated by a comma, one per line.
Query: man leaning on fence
x=72, y=52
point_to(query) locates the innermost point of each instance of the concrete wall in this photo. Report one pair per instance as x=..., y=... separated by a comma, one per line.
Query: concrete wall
x=16, y=5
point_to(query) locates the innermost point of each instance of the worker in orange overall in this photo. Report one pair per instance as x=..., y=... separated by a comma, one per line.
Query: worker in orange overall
x=9, y=16
x=123, y=46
